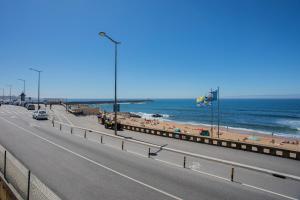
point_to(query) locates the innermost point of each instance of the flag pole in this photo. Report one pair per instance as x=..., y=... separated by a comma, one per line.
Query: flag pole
x=218, y=112
x=212, y=116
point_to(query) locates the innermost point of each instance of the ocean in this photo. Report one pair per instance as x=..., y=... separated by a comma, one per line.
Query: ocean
x=278, y=116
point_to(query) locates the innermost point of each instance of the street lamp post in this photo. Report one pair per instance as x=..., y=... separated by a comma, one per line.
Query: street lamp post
x=39, y=72
x=9, y=92
x=103, y=34
x=2, y=94
x=23, y=84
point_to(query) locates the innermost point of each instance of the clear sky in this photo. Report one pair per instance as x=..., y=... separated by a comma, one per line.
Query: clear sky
x=170, y=48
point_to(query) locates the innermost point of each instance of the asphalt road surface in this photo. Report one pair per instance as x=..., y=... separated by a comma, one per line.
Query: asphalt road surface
x=78, y=168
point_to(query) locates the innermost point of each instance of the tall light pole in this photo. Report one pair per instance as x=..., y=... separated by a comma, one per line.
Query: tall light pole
x=2, y=94
x=9, y=92
x=103, y=34
x=23, y=84
x=39, y=72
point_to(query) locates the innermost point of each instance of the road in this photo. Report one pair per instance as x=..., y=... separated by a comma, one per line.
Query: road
x=77, y=168
x=250, y=158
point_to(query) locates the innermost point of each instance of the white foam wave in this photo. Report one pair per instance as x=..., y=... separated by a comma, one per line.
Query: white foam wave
x=150, y=115
x=292, y=123
x=238, y=129
x=165, y=117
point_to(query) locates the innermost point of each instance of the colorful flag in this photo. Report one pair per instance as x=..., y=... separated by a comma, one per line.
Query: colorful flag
x=213, y=96
x=202, y=101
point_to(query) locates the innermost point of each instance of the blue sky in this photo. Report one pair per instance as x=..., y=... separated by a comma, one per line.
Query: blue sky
x=170, y=48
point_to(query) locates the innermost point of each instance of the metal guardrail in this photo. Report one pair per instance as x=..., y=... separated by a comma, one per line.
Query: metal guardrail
x=184, y=153
x=25, y=184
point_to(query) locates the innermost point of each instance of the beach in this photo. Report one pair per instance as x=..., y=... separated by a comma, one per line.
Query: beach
x=280, y=117
x=252, y=137
x=267, y=122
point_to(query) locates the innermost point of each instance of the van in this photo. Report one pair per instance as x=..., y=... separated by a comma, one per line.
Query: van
x=30, y=107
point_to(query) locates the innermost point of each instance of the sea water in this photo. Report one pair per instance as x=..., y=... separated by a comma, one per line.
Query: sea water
x=277, y=116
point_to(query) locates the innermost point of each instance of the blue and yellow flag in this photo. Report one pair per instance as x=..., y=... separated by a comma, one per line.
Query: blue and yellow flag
x=202, y=101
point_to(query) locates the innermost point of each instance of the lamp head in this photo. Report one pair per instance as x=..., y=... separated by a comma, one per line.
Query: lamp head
x=102, y=34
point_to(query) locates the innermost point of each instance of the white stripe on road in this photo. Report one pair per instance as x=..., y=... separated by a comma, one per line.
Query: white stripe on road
x=169, y=163
x=261, y=189
x=14, y=112
x=59, y=119
x=151, y=187
x=94, y=162
x=67, y=119
x=138, y=154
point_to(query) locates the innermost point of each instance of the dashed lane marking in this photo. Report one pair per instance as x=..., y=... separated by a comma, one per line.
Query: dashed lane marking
x=94, y=162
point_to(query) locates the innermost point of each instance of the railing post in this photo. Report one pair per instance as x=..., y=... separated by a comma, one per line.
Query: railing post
x=184, y=161
x=28, y=185
x=232, y=174
x=4, y=165
x=149, y=152
x=122, y=144
x=84, y=133
x=101, y=139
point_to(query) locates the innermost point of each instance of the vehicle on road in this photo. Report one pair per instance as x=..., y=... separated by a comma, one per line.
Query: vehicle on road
x=30, y=107
x=108, y=124
x=40, y=114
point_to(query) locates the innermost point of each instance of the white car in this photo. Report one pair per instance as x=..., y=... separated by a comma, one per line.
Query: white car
x=40, y=114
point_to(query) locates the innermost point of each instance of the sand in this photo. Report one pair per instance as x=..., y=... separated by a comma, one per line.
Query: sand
x=224, y=133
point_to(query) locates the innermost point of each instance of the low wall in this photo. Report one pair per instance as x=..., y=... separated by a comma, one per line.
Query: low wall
x=280, y=152
x=17, y=181
x=6, y=192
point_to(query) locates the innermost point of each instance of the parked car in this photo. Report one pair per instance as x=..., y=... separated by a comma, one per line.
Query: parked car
x=25, y=104
x=40, y=114
x=17, y=103
x=30, y=107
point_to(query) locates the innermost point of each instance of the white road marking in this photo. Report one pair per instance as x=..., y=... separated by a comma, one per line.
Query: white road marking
x=67, y=119
x=34, y=125
x=136, y=153
x=269, y=191
x=167, y=162
x=94, y=162
x=59, y=119
x=151, y=187
x=195, y=165
x=14, y=112
x=212, y=175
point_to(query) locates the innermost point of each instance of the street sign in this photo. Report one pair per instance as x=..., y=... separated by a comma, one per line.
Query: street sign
x=117, y=107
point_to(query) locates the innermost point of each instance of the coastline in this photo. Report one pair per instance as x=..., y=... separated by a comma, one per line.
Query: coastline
x=274, y=116
x=233, y=134
x=165, y=118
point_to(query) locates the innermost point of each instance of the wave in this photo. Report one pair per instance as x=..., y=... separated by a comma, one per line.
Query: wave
x=295, y=124
x=275, y=116
x=149, y=115
x=238, y=129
